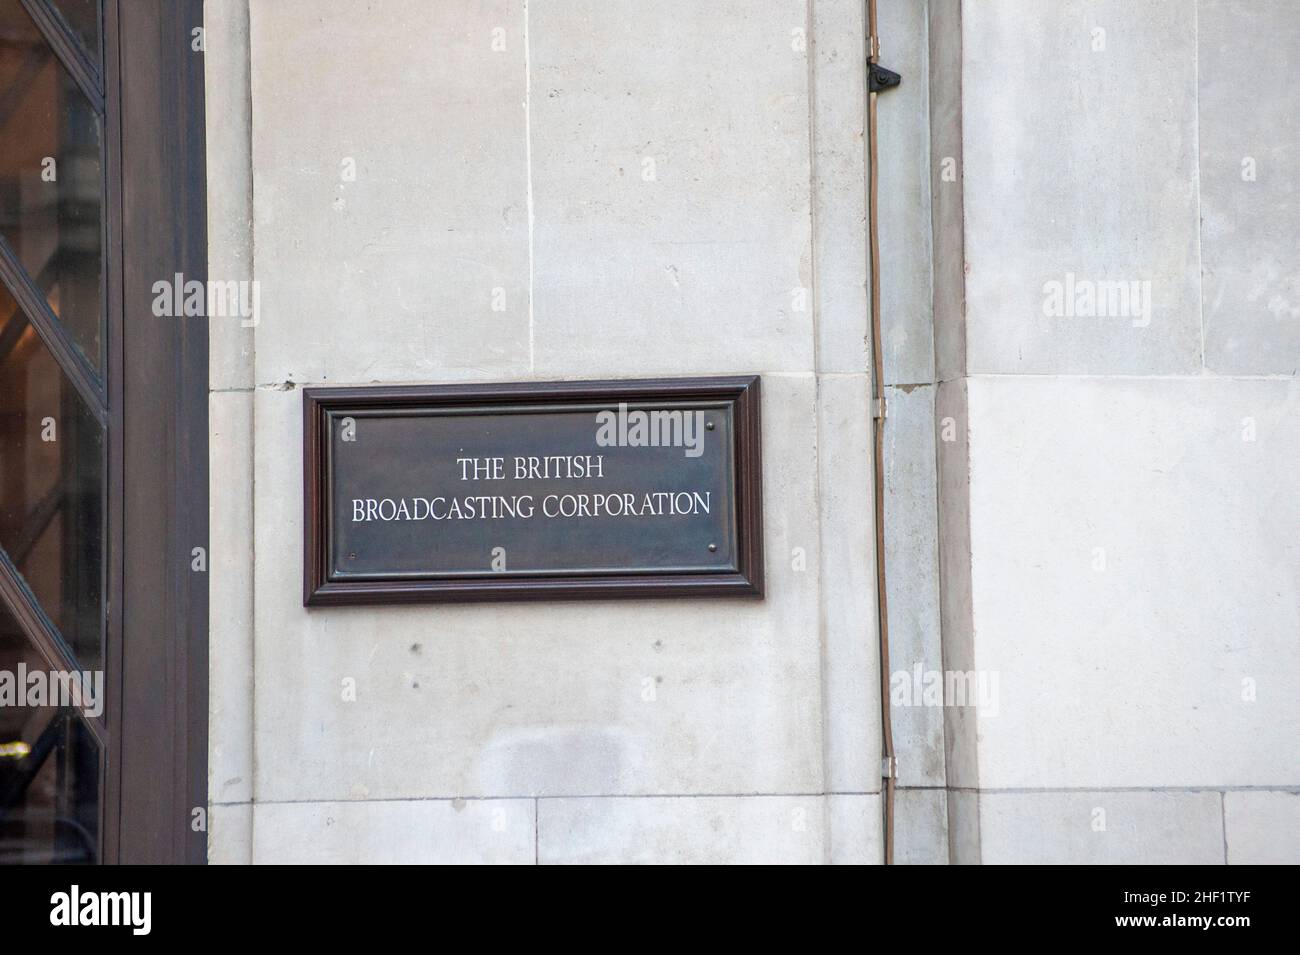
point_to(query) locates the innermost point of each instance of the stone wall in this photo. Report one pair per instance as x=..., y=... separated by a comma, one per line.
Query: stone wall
x=1118, y=512
x=639, y=190
x=1089, y=500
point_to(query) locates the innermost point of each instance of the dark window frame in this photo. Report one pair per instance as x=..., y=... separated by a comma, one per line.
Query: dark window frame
x=159, y=733
x=153, y=398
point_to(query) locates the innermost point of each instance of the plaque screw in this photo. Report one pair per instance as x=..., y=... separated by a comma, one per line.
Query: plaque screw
x=708, y=426
x=712, y=548
x=352, y=556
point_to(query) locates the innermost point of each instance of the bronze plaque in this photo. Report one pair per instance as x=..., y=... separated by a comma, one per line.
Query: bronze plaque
x=529, y=490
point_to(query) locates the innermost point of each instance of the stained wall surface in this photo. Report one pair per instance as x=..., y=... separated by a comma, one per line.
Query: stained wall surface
x=500, y=191
x=1119, y=512
x=1091, y=300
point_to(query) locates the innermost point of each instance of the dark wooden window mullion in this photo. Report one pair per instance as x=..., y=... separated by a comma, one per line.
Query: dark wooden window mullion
x=110, y=766
x=38, y=628
x=67, y=47
x=73, y=363
x=161, y=722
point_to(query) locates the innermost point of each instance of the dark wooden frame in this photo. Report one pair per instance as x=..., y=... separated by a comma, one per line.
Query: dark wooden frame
x=742, y=392
x=152, y=397
x=159, y=400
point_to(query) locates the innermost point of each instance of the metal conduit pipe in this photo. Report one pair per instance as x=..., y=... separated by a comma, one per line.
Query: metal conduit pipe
x=878, y=79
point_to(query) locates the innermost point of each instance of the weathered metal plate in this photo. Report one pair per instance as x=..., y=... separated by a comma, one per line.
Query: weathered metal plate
x=566, y=489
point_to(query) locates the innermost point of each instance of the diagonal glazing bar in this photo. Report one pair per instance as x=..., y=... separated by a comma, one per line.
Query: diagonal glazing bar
x=70, y=358
x=45, y=637
x=69, y=50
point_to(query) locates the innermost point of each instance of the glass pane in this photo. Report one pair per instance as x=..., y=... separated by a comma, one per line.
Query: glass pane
x=51, y=484
x=83, y=17
x=49, y=764
x=50, y=205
